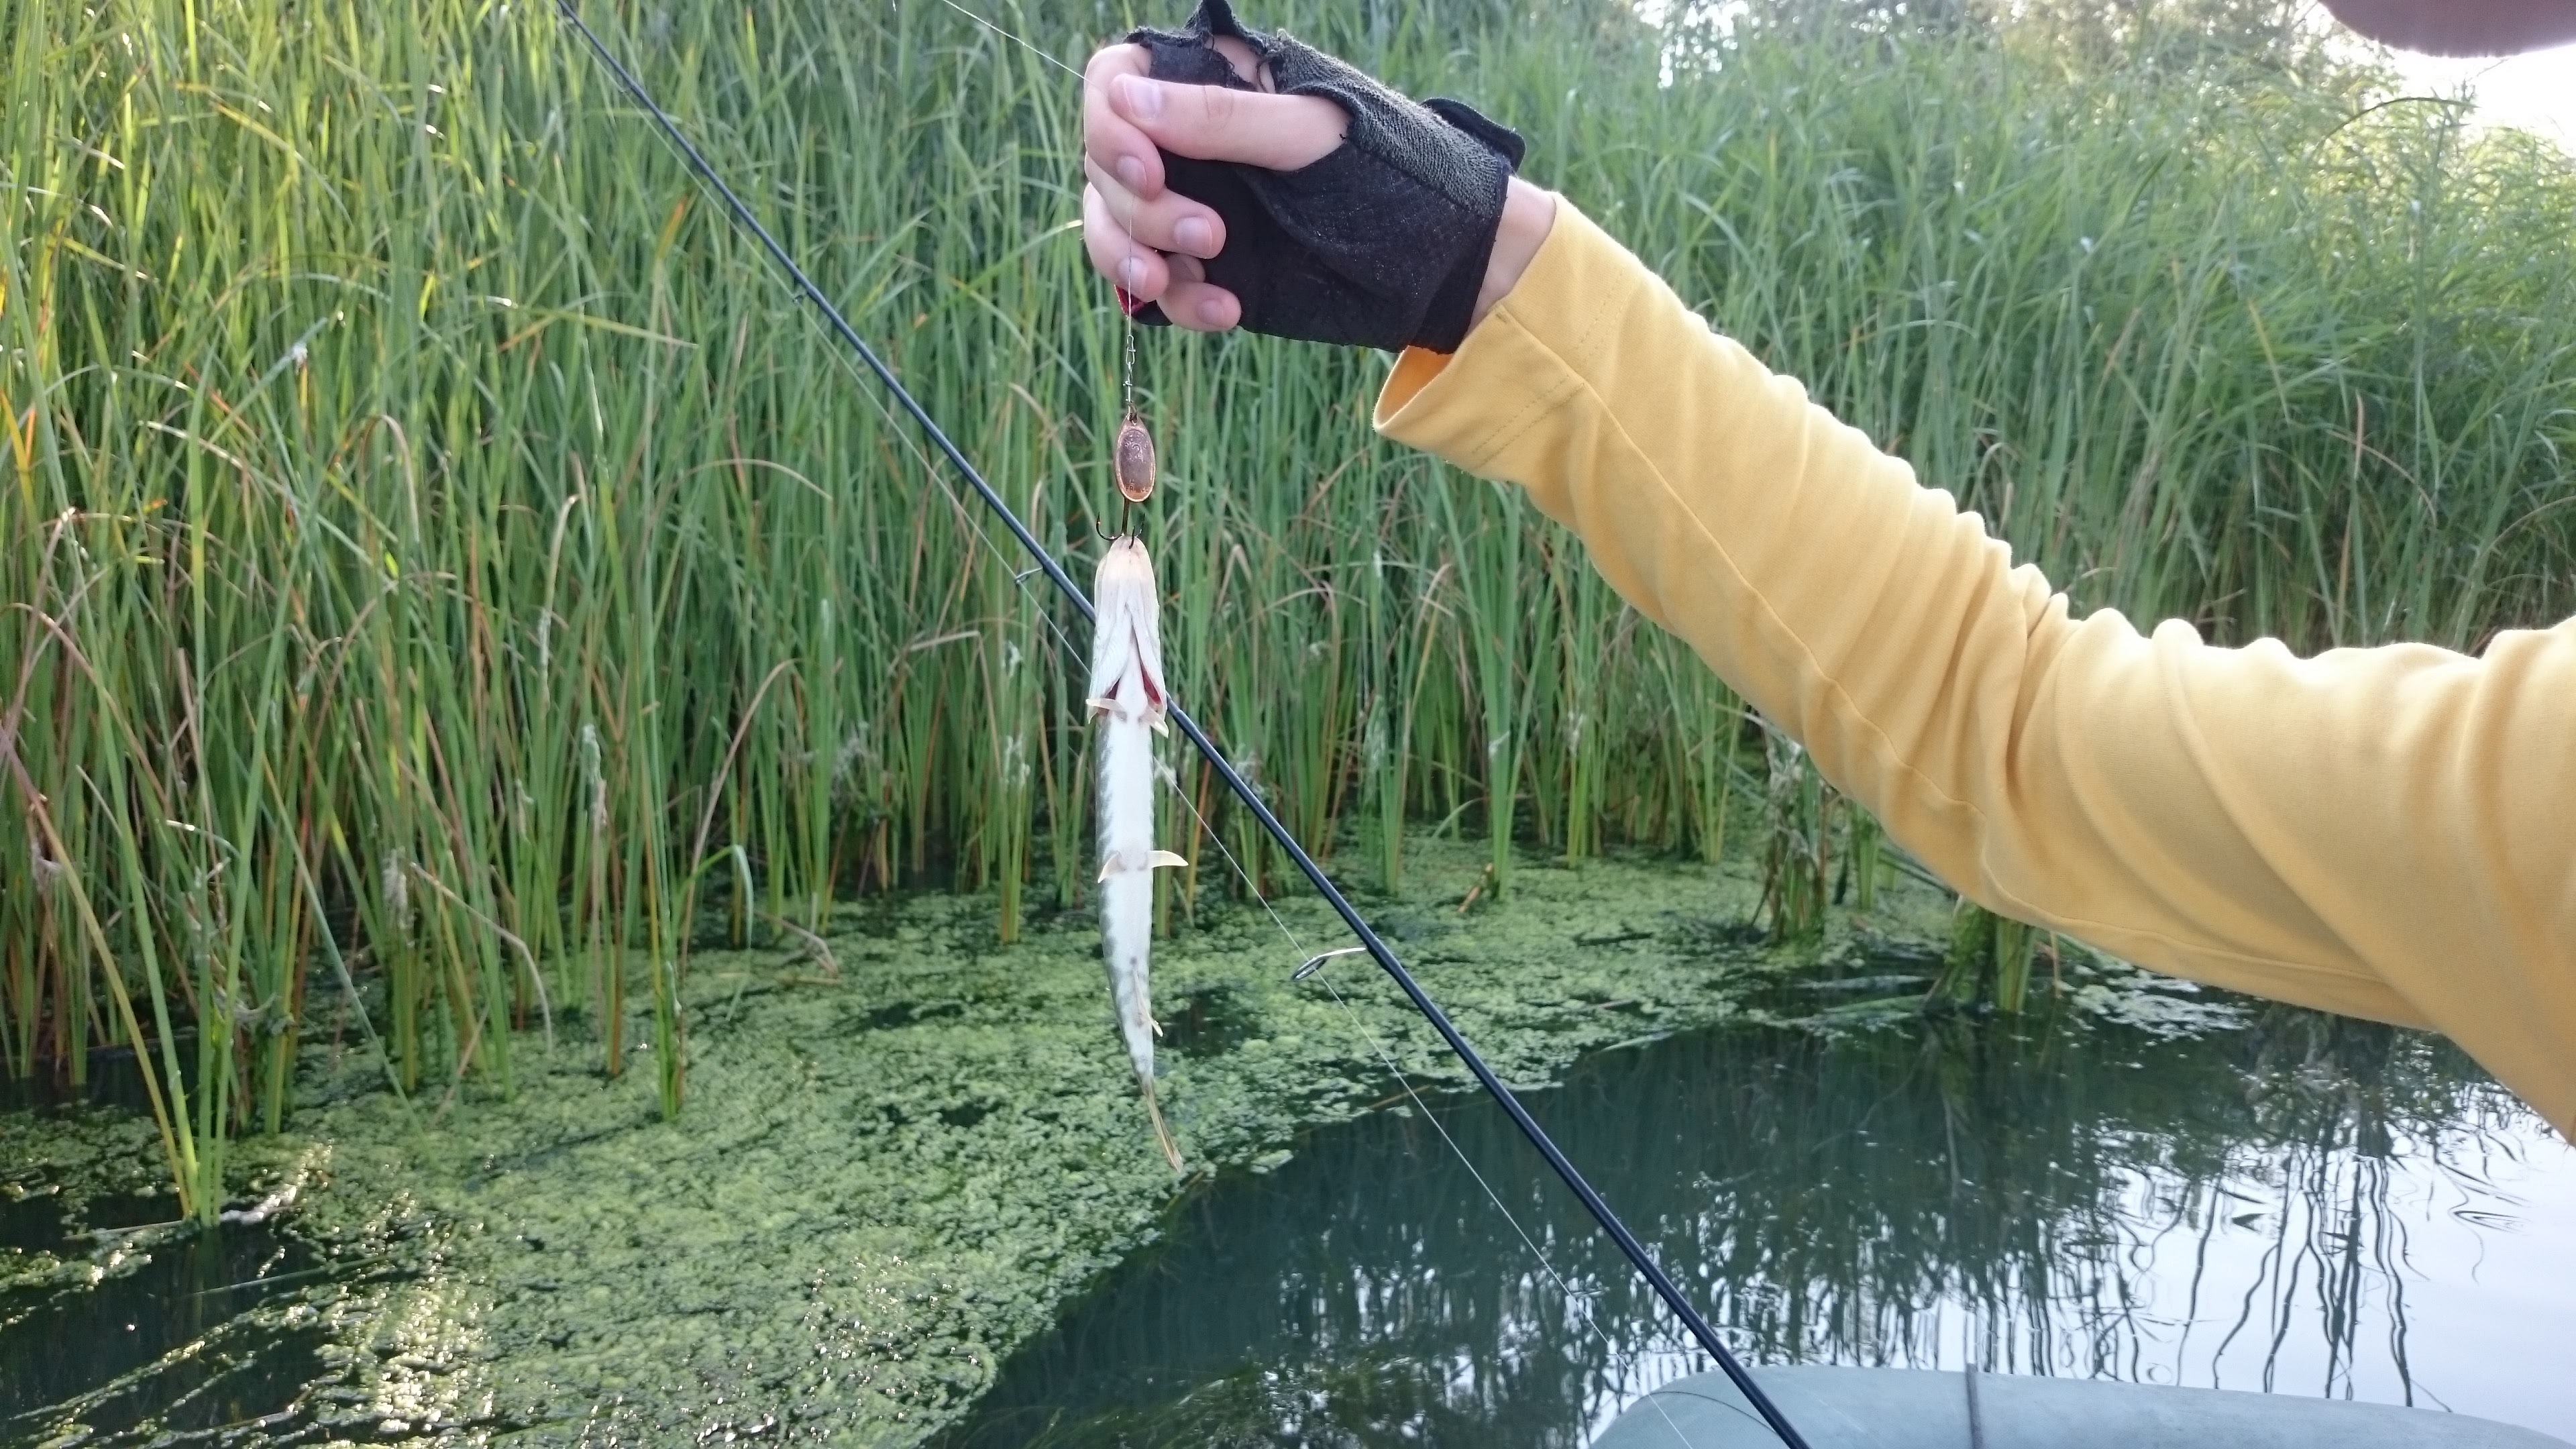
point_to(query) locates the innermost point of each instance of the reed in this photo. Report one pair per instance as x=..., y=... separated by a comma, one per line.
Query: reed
x=1988, y=964
x=436, y=547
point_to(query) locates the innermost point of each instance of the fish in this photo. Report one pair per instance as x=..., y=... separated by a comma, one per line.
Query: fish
x=1128, y=702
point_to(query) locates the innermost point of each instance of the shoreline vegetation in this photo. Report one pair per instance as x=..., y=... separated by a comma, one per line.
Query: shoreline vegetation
x=901, y=1162
x=452, y=597
x=904, y=1163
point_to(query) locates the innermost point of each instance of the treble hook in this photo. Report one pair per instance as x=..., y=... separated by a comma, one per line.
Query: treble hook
x=1126, y=516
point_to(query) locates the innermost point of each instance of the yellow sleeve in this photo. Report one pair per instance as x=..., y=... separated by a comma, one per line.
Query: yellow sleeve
x=2388, y=833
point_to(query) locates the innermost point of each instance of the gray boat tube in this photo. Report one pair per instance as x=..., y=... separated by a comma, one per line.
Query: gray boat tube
x=1877, y=1408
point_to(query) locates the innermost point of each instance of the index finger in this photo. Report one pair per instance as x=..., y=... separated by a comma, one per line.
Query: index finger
x=1217, y=123
x=1113, y=143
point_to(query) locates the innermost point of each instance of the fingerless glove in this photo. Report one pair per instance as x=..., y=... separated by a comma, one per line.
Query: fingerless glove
x=1382, y=243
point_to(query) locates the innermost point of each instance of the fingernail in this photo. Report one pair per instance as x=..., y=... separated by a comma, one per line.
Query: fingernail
x=1131, y=271
x=1144, y=98
x=1212, y=312
x=1192, y=234
x=1131, y=173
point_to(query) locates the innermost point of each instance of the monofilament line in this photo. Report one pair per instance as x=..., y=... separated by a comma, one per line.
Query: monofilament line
x=1015, y=40
x=1314, y=970
x=1629, y=1246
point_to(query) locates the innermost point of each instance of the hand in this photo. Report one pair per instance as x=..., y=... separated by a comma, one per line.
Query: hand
x=1147, y=238
x=1206, y=201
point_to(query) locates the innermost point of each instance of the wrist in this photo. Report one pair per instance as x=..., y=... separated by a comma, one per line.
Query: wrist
x=1528, y=213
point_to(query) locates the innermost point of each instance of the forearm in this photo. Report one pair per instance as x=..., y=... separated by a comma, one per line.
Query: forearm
x=1528, y=214
x=2302, y=829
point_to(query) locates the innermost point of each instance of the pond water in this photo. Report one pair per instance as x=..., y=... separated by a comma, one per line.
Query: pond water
x=177, y=1343
x=2297, y=1204
x=174, y=1337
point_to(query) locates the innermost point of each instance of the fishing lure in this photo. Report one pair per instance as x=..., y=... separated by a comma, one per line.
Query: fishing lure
x=1135, y=460
x=1139, y=918
x=1128, y=698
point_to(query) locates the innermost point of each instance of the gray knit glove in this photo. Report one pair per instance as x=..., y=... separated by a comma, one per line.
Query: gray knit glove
x=1382, y=243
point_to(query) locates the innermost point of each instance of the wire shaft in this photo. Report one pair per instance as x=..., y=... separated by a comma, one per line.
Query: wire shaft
x=1378, y=950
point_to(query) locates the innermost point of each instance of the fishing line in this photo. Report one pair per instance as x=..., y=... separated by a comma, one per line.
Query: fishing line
x=1378, y=950
x=1313, y=965
x=1313, y=968
x=1564, y=1289
x=1026, y=45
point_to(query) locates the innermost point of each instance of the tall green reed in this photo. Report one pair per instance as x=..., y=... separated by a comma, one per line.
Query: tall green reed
x=1989, y=960
x=436, y=545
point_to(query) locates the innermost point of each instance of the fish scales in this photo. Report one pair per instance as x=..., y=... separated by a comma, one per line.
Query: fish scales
x=1127, y=700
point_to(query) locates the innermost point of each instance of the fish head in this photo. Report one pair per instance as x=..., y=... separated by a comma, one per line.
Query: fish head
x=1127, y=636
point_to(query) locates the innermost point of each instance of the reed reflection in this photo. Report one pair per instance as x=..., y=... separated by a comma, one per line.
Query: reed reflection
x=2248, y=1208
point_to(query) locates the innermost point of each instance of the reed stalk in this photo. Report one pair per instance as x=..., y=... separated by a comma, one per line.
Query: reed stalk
x=433, y=543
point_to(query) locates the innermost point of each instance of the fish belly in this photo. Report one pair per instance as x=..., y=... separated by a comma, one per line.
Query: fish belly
x=1126, y=927
x=1127, y=880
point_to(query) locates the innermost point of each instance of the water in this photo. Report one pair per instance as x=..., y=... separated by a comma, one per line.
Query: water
x=2303, y=1205
x=183, y=1332
x=173, y=1345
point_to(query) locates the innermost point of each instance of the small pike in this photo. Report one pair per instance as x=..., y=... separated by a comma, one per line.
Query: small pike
x=1128, y=699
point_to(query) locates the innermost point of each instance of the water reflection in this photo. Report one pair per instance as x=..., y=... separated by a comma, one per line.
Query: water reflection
x=2279, y=1207
x=171, y=1346
x=180, y=1335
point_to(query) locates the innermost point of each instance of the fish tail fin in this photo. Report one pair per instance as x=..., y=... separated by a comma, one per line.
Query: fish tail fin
x=1162, y=1134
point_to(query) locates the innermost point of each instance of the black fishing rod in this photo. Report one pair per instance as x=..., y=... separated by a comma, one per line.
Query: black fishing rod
x=1377, y=949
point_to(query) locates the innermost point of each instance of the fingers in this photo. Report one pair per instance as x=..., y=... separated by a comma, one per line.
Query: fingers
x=1116, y=255
x=1126, y=116
x=1146, y=238
x=1109, y=140
x=1195, y=304
x=1178, y=281
x=1170, y=222
x=1212, y=123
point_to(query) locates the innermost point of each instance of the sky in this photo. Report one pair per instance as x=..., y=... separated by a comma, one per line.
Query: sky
x=2536, y=92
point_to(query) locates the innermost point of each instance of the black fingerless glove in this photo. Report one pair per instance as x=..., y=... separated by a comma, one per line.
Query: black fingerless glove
x=1382, y=243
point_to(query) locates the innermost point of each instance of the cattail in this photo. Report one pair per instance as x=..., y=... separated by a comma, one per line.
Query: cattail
x=592, y=776
x=48, y=869
x=1135, y=460
x=394, y=878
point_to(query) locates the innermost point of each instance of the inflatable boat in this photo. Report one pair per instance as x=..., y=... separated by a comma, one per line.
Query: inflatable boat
x=1874, y=1408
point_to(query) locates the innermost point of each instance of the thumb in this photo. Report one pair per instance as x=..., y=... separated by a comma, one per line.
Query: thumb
x=1216, y=123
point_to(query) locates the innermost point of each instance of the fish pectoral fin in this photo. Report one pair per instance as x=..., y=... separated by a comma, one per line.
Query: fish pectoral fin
x=1115, y=863
x=1159, y=725
x=1156, y=1025
x=1101, y=705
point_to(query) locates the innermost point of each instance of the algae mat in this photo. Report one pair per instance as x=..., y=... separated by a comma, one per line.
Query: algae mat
x=899, y=1159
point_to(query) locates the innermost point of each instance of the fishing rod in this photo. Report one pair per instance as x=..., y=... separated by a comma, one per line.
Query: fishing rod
x=1377, y=949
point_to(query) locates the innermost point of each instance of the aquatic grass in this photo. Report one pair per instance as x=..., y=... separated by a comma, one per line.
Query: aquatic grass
x=1491, y=565
x=1802, y=819
x=1989, y=960
x=435, y=544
